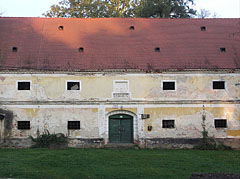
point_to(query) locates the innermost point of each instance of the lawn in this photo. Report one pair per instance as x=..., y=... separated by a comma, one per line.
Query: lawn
x=107, y=163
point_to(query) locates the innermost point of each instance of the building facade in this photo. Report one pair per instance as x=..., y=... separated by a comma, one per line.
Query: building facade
x=112, y=81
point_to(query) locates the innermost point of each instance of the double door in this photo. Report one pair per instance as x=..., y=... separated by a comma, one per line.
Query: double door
x=121, y=128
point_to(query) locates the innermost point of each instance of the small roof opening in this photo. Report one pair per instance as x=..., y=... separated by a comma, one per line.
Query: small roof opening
x=223, y=49
x=203, y=28
x=80, y=49
x=60, y=27
x=14, y=49
x=132, y=28
x=157, y=49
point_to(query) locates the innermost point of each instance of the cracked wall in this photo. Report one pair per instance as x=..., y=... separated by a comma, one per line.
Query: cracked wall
x=48, y=105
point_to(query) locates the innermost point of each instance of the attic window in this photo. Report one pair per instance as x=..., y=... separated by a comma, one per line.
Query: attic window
x=23, y=85
x=60, y=27
x=131, y=28
x=81, y=49
x=203, y=28
x=73, y=85
x=218, y=85
x=157, y=49
x=168, y=85
x=14, y=49
x=223, y=49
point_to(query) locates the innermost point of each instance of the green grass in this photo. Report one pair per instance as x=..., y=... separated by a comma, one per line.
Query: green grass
x=107, y=163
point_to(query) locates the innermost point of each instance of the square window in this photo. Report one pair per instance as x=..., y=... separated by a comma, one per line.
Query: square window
x=168, y=124
x=220, y=123
x=23, y=125
x=218, y=84
x=169, y=85
x=73, y=125
x=24, y=85
x=73, y=85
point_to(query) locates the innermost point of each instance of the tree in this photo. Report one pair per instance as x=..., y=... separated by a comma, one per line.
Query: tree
x=91, y=8
x=204, y=13
x=122, y=8
x=166, y=9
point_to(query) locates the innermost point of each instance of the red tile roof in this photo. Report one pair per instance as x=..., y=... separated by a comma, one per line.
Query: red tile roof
x=108, y=43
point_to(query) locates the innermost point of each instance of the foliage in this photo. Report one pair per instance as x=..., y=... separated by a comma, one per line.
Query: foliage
x=166, y=9
x=46, y=139
x=106, y=163
x=91, y=8
x=208, y=143
x=122, y=8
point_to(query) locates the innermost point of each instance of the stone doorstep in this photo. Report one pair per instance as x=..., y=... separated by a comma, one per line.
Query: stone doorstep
x=121, y=146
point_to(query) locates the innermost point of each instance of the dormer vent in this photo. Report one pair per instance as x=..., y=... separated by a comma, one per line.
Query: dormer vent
x=60, y=27
x=223, y=49
x=203, y=28
x=132, y=28
x=14, y=49
x=157, y=49
x=81, y=49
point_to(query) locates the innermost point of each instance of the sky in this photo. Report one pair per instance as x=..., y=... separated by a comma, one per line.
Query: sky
x=35, y=8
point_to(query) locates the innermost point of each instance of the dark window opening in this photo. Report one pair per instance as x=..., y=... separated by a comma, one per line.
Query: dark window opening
x=81, y=49
x=223, y=49
x=23, y=85
x=73, y=125
x=149, y=128
x=73, y=85
x=23, y=124
x=220, y=123
x=203, y=28
x=157, y=49
x=168, y=124
x=14, y=49
x=168, y=85
x=132, y=28
x=60, y=27
x=218, y=84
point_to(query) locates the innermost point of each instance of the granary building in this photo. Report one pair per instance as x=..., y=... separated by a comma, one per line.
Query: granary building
x=120, y=80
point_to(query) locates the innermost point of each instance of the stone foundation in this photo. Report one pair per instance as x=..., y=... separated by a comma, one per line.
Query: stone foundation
x=16, y=143
x=151, y=143
x=189, y=143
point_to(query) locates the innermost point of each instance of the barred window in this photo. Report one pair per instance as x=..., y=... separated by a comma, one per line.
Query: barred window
x=23, y=125
x=218, y=84
x=24, y=85
x=73, y=85
x=168, y=85
x=73, y=124
x=220, y=123
x=168, y=123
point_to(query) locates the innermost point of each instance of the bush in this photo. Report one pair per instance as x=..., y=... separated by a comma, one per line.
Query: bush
x=46, y=139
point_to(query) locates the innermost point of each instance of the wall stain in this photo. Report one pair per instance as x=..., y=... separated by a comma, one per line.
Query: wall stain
x=31, y=112
x=8, y=123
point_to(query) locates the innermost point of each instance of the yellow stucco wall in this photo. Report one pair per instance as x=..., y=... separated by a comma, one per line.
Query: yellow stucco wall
x=143, y=87
x=53, y=87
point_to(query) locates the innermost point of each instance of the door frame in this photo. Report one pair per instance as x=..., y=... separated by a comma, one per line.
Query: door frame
x=120, y=118
x=135, y=123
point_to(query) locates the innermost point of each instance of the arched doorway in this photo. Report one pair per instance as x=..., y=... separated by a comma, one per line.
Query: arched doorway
x=120, y=128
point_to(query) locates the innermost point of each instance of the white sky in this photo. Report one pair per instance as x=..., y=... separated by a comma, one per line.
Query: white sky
x=35, y=8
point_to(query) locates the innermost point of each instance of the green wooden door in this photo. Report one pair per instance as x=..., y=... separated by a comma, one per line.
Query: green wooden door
x=121, y=128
